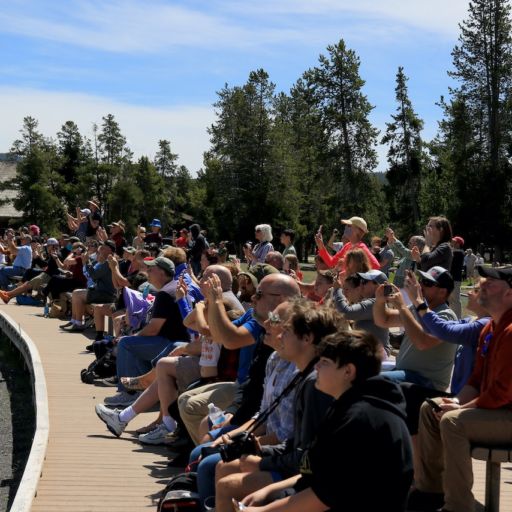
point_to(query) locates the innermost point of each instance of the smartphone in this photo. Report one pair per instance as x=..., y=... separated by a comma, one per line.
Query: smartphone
x=434, y=405
x=319, y=232
x=237, y=505
x=388, y=290
x=413, y=266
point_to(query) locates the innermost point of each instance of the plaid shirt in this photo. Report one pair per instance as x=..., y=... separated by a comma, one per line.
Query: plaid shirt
x=278, y=374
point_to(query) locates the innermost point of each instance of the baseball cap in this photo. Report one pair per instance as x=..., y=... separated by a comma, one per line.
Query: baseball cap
x=155, y=223
x=52, y=241
x=376, y=276
x=162, y=262
x=252, y=277
x=501, y=273
x=260, y=270
x=440, y=276
x=458, y=240
x=357, y=222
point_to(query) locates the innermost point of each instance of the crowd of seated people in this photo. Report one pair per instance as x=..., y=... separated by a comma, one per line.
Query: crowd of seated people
x=284, y=393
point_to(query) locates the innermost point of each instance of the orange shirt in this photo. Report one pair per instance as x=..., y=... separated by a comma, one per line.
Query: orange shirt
x=492, y=375
x=333, y=260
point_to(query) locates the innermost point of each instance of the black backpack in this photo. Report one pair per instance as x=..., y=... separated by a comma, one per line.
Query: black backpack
x=101, y=368
x=180, y=494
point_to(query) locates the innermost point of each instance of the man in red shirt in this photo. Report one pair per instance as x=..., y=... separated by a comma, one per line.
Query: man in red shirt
x=481, y=412
x=355, y=231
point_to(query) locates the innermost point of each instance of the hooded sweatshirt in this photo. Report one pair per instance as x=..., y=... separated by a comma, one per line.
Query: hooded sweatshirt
x=361, y=458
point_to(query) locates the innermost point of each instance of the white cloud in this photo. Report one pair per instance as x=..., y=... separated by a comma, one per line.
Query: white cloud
x=154, y=26
x=184, y=126
x=437, y=16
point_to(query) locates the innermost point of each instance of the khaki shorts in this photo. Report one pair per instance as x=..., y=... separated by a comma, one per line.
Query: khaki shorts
x=40, y=281
x=187, y=371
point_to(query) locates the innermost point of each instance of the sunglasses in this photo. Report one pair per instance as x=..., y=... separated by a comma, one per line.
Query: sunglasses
x=428, y=284
x=258, y=294
x=274, y=319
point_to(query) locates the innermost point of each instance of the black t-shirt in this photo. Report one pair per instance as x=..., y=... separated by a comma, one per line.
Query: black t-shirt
x=457, y=264
x=153, y=238
x=361, y=458
x=165, y=307
x=310, y=407
x=52, y=269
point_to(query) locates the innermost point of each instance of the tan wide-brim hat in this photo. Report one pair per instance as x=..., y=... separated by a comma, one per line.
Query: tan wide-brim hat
x=357, y=222
x=120, y=225
x=92, y=203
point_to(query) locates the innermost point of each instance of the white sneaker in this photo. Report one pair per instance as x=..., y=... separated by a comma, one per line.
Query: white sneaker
x=121, y=399
x=111, y=418
x=156, y=436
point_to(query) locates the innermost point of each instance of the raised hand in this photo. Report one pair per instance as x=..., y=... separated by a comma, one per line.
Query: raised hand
x=181, y=289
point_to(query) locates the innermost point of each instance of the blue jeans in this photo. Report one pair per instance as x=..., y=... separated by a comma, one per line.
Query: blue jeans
x=7, y=272
x=135, y=353
x=408, y=376
x=206, y=467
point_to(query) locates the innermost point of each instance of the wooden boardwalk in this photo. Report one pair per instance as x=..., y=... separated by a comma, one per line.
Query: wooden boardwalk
x=89, y=470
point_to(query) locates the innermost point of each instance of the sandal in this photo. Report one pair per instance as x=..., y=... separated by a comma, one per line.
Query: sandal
x=147, y=428
x=132, y=384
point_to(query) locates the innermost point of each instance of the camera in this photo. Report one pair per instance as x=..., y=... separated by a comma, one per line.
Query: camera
x=243, y=443
x=388, y=290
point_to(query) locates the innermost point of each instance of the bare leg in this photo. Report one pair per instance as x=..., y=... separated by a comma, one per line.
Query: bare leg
x=147, y=400
x=78, y=304
x=25, y=287
x=238, y=486
x=166, y=379
x=99, y=313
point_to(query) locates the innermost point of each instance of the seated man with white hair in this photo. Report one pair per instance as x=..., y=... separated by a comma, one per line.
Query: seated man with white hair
x=262, y=233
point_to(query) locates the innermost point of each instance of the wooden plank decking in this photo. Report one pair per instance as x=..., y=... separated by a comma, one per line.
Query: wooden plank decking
x=86, y=468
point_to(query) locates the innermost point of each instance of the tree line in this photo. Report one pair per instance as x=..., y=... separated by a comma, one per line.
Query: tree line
x=308, y=157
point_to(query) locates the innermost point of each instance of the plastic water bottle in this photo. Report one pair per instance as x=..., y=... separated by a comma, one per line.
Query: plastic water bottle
x=46, y=310
x=145, y=292
x=215, y=415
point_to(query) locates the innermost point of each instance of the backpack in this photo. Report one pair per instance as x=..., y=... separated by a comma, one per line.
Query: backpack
x=101, y=368
x=180, y=494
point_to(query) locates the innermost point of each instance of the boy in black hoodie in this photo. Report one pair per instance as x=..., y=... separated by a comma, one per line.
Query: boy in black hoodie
x=361, y=458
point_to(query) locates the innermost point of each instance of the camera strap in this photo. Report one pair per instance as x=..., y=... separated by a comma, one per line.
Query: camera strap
x=297, y=379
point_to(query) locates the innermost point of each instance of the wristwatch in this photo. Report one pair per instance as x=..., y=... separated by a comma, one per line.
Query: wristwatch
x=421, y=307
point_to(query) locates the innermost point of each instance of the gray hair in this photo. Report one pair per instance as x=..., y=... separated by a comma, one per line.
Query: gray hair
x=266, y=229
x=419, y=242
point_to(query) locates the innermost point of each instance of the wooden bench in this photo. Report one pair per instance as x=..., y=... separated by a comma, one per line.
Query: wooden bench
x=493, y=456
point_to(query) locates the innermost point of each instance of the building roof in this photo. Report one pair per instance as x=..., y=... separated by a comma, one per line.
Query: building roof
x=7, y=172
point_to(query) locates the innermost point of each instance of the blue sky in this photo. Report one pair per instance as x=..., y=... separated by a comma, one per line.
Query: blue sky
x=157, y=64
